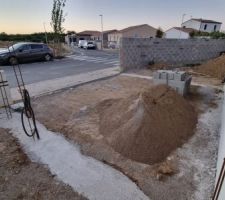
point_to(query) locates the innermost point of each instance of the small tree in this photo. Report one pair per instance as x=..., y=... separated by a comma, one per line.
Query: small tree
x=57, y=19
x=159, y=33
x=71, y=32
x=192, y=34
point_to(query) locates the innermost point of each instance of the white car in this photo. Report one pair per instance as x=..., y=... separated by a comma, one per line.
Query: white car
x=89, y=45
x=81, y=43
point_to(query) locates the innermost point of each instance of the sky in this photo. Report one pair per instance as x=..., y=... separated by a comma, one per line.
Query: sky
x=28, y=16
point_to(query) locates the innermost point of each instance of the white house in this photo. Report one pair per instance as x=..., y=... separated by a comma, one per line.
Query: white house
x=192, y=25
x=203, y=25
x=178, y=33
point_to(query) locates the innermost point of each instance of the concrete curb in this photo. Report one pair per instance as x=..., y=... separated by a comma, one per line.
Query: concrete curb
x=51, y=86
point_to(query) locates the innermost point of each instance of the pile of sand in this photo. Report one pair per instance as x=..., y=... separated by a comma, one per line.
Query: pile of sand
x=159, y=66
x=214, y=68
x=148, y=126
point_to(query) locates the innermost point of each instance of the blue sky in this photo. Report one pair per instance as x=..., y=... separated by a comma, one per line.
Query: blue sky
x=26, y=16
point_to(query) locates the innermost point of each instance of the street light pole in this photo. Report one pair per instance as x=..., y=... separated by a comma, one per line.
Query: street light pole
x=102, y=29
x=182, y=21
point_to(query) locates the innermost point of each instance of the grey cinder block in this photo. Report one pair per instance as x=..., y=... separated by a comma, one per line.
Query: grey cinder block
x=180, y=81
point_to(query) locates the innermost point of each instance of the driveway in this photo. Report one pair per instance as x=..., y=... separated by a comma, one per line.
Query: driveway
x=81, y=61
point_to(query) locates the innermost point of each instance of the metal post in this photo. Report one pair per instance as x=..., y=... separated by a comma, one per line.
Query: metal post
x=219, y=182
x=46, y=37
x=6, y=105
x=102, y=29
x=182, y=21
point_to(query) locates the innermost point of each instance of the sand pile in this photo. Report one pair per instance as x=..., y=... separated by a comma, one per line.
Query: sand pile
x=148, y=126
x=214, y=67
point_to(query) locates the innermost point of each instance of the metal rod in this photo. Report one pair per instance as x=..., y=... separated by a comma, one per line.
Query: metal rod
x=4, y=103
x=5, y=97
x=27, y=110
x=102, y=30
x=219, y=182
x=17, y=80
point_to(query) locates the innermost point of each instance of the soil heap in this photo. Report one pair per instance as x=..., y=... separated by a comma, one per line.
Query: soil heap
x=214, y=68
x=147, y=127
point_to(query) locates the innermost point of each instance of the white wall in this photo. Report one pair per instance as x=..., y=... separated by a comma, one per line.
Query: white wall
x=200, y=26
x=176, y=34
x=210, y=27
x=191, y=24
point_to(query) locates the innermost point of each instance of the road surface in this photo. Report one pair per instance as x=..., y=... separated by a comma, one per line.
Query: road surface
x=80, y=62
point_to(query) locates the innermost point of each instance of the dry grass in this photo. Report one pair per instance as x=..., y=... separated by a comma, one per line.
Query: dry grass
x=5, y=44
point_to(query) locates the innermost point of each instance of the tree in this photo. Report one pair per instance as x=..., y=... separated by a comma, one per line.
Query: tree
x=71, y=32
x=213, y=35
x=159, y=33
x=58, y=17
x=192, y=34
x=57, y=20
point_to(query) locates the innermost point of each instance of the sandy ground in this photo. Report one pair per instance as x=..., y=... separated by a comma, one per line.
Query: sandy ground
x=188, y=173
x=90, y=177
x=22, y=179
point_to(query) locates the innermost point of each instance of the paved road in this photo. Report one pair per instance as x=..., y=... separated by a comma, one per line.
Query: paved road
x=80, y=62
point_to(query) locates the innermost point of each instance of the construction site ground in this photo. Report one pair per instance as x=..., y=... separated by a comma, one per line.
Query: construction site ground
x=188, y=172
x=22, y=179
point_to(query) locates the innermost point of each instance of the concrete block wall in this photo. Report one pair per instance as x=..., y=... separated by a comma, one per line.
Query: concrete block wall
x=137, y=52
x=180, y=81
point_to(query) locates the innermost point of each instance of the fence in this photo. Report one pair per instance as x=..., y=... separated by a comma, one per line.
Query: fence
x=138, y=52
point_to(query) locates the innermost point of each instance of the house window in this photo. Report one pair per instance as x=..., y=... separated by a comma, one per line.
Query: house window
x=205, y=27
x=215, y=27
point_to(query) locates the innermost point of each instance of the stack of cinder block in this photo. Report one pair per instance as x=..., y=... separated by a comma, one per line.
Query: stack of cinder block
x=178, y=80
x=5, y=94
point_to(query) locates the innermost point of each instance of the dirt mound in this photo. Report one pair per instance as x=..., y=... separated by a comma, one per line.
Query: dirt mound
x=148, y=126
x=214, y=67
x=159, y=66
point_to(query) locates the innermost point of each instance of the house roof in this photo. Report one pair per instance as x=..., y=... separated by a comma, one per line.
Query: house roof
x=133, y=27
x=114, y=32
x=90, y=33
x=186, y=30
x=110, y=31
x=205, y=20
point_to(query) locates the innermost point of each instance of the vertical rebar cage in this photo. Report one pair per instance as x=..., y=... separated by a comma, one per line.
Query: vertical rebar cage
x=4, y=92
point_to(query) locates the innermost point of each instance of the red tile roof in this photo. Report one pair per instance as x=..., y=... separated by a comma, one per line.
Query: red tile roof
x=133, y=27
x=90, y=33
x=110, y=31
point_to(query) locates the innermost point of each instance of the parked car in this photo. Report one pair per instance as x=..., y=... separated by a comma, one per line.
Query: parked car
x=89, y=45
x=81, y=43
x=24, y=52
x=112, y=45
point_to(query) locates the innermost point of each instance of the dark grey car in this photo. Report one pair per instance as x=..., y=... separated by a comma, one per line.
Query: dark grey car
x=25, y=52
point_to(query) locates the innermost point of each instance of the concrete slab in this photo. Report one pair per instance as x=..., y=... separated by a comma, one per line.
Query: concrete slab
x=49, y=86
